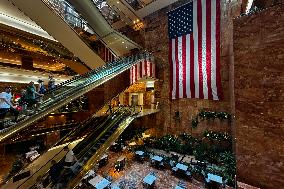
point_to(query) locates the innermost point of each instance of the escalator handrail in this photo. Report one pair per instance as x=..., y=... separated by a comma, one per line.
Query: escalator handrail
x=54, y=11
x=56, y=144
x=101, y=71
x=59, y=153
x=96, y=140
x=104, y=122
x=95, y=71
x=130, y=61
x=79, y=127
x=87, y=164
x=91, y=144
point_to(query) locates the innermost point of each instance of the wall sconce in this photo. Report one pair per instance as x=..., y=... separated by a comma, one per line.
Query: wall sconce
x=138, y=25
x=177, y=116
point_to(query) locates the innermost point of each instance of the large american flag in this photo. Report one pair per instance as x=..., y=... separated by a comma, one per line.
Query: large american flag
x=145, y=68
x=194, y=50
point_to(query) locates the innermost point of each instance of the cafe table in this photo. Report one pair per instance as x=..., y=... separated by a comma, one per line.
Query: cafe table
x=178, y=187
x=181, y=167
x=215, y=178
x=104, y=183
x=157, y=158
x=140, y=153
x=95, y=180
x=149, y=179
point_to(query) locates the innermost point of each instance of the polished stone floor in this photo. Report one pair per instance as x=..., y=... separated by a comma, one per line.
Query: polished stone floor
x=134, y=173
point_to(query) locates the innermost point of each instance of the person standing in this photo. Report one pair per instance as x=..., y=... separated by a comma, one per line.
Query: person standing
x=6, y=104
x=55, y=173
x=30, y=95
x=51, y=82
x=41, y=88
x=70, y=157
x=51, y=85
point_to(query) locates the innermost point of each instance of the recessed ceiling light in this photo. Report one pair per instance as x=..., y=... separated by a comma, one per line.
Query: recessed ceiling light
x=122, y=42
x=126, y=47
x=117, y=2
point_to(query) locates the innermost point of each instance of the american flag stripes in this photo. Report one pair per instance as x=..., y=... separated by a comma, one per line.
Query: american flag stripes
x=107, y=55
x=194, y=50
x=145, y=68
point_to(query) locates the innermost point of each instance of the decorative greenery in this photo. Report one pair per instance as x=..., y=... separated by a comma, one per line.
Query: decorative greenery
x=228, y=161
x=169, y=143
x=216, y=136
x=201, y=151
x=213, y=115
x=209, y=115
x=194, y=122
x=209, y=149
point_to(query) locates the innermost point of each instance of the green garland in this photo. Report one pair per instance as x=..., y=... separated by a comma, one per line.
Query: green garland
x=209, y=115
x=217, y=136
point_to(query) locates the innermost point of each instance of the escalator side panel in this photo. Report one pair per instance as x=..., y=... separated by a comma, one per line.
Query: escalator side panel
x=59, y=29
x=101, y=151
x=56, y=153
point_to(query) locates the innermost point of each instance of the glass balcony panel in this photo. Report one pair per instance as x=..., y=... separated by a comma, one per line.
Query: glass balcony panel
x=109, y=14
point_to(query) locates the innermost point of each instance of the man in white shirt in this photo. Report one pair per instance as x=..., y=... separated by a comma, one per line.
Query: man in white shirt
x=6, y=105
x=70, y=157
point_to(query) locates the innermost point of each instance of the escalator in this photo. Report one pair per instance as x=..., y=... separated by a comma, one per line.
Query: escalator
x=114, y=40
x=93, y=155
x=88, y=131
x=93, y=147
x=41, y=13
x=73, y=89
x=76, y=134
x=73, y=130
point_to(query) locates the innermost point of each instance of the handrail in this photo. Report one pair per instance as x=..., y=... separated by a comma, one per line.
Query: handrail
x=96, y=141
x=48, y=4
x=91, y=80
x=75, y=78
x=95, y=157
x=90, y=145
x=102, y=124
x=72, y=132
x=85, y=123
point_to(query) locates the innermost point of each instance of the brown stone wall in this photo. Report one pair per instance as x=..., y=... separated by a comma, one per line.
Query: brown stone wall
x=259, y=97
x=116, y=85
x=51, y=139
x=149, y=122
x=156, y=41
x=96, y=99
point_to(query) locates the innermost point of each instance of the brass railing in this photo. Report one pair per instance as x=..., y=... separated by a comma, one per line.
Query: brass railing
x=101, y=151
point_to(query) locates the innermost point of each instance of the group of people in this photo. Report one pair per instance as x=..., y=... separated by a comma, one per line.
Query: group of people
x=29, y=98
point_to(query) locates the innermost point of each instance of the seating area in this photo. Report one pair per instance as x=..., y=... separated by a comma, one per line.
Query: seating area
x=144, y=169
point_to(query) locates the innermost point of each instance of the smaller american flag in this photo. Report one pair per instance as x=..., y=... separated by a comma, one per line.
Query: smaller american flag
x=107, y=55
x=145, y=68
